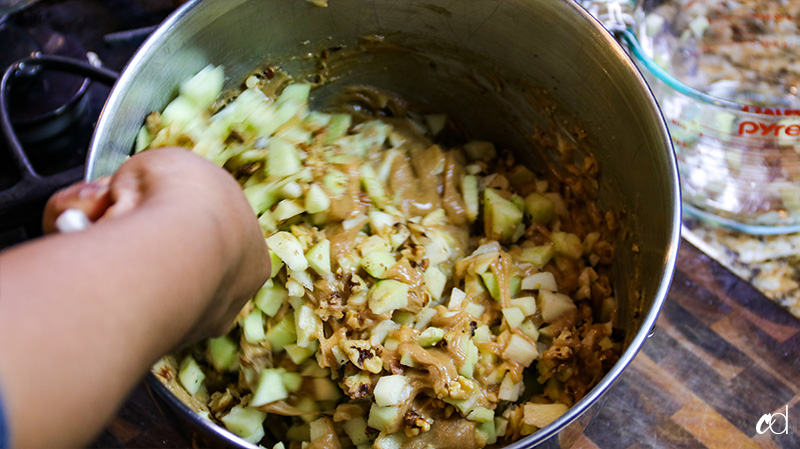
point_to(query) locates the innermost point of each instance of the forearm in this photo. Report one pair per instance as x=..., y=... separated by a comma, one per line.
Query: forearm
x=69, y=376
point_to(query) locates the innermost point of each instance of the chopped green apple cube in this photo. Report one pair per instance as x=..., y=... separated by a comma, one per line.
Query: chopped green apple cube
x=381, y=330
x=457, y=297
x=203, y=88
x=306, y=325
x=256, y=436
x=383, y=418
x=318, y=428
x=436, y=122
x=464, y=406
x=221, y=352
x=287, y=209
x=481, y=414
x=300, y=354
x=270, y=298
x=543, y=280
x=514, y=317
x=283, y=333
x=482, y=334
x=180, y=112
x=515, y=285
x=474, y=309
x=393, y=441
x=143, y=139
x=253, y=327
x=487, y=431
x=520, y=176
x=191, y=375
x=403, y=318
x=316, y=120
x=292, y=381
x=373, y=244
x=540, y=415
x=270, y=388
x=288, y=248
x=391, y=344
x=387, y=295
x=335, y=182
x=430, y=336
x=261, y=196
x=435, y=281
x=391, y=390
x=520, y=350
x=296, y=135
x=381, y=223
x=528, y=328
x=553, y=305
x=282, y=158
x=567, y=244
x=303, y=278
x=469, y=188
x=501, y=425
x=316, y=200
x=319, y=257
x=290, y=103
x=268, y=224
x=275, y=263
x=491, y=284
x=377, y=263
x=424, y=318
x=540, y=208
x=527, y=304
x=295, y=288
x=372, y=185
x=537, y=255
x=356, y=430
x=244, y=421
x=501, y=217
x=324, y=389
x=338, y=126
x=472, y=354
x=509, y=389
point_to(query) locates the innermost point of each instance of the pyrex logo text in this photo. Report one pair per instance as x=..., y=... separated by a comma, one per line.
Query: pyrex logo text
x=768, y=420
x=768, y=129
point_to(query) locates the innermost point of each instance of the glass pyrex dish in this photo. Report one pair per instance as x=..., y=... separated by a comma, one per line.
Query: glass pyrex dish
x=725, y=75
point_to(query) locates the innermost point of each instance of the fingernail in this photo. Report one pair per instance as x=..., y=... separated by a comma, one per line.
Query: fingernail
x=94, y=189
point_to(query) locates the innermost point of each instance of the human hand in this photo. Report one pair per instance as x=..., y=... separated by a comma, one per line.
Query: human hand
x=204, y=201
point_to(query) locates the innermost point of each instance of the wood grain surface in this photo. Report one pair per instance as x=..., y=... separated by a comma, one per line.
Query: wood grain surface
x=722, y=356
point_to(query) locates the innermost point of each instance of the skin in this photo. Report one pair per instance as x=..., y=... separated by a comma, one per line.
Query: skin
x=174, y=253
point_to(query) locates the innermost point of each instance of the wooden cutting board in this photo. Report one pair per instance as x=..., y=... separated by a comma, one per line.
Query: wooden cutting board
x=723, y=355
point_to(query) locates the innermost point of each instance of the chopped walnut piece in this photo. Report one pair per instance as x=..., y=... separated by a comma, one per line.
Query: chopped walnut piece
x=362, y=354
x=415, y=424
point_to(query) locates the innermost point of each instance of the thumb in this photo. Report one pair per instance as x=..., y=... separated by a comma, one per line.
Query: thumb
x=91, y=198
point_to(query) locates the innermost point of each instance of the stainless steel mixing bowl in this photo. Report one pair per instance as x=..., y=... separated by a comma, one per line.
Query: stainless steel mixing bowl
x=493, y=65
